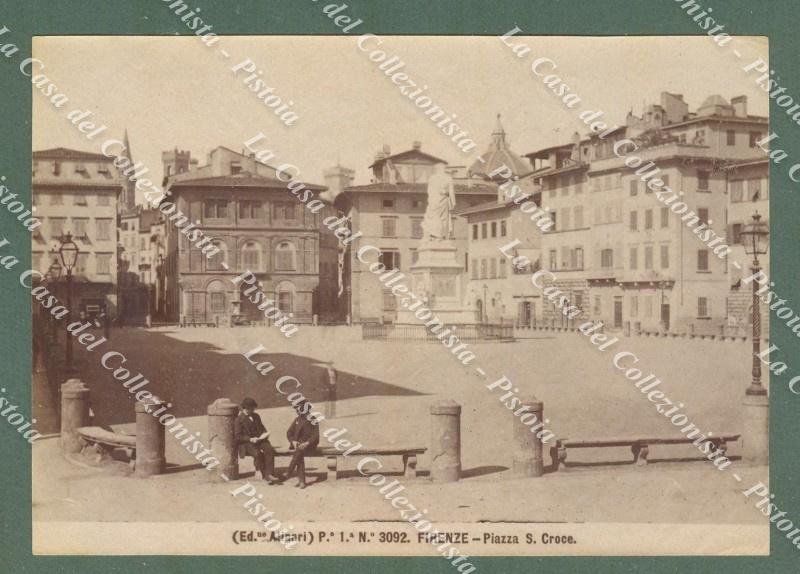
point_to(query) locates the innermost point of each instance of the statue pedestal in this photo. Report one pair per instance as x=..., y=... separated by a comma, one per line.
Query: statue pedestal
x=438, y=275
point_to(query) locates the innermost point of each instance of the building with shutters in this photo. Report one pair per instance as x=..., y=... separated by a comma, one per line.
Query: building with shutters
x=617, y=251
x=77, y=192
x=388, y=213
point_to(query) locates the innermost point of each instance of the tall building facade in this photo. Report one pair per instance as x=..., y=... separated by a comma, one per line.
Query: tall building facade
x=388, y=214
x=77, y=192
x=257, y=224
x=620, y=254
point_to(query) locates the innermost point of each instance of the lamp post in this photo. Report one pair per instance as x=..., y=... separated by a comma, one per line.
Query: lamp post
x=54, y=274
x=756, y=403
x=68, y=252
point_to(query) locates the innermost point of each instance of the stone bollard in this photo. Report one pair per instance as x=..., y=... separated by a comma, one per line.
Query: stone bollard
x=315, y=320
x=222, y=442
x=74, y=414
x=445, y=441
x=149, y=438
x=755, y=432
x=528, y=454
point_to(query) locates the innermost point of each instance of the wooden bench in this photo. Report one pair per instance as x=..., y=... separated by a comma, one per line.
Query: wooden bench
x=639, y=445
x=332, y=455
x=105, y=441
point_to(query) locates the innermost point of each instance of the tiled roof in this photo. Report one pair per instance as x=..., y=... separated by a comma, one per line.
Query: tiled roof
x=240, y=180
x=66, y=153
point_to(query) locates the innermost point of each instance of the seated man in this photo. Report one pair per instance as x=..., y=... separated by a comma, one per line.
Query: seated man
x=303, y=437
x=253, y=440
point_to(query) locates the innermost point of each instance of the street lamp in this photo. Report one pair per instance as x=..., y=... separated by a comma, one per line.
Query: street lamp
x=68, y=251
x=754, y=238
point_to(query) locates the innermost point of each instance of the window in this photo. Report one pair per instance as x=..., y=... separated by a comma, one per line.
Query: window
x=503, y=272
x=702, y=259
x=390, y=259
x=565, y=256
x=474, y=231
x=57, y=199
x=81, y=264
x=416, y=203
x=387, y=203
x=634, y=187
x=474, y=269
x=607, y=258
x=143, y=243
x=598, y=305
x=249, y=209
x=648, y=257
x=634, y=306
x=736, y=233
x=648, y=306
x=389, y=301
x=416, y=227
x=553, y=260
x=754, y=189
x=284, y=210
x=389, y=227
x=702, y=214
x=483, y=230
x=285, y=291
x=103, y=200
x=702, y=180
x=285, y=256
x=737, y=191
x=79, y=226
x=493, y=268
x=665, y=257
x=483, y=268
x=415, y=255
x=554, y=219
x=703, y=307
x=634, y=220
x=633, y=262
x=578, y=216
x=503, y=228
x=648, y=219
x=754, y=137
x=730, y=137
x=104, y=263
x=56, y=168
x=215, y=208
x=79, y=199
x=664, y=217
x=494, y=229
x=251, y=256
x=103, y=229
x=236, y=167
x=578, y=258
x=215, y=262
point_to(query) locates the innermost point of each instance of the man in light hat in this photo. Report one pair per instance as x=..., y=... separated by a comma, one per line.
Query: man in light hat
x=252, y=439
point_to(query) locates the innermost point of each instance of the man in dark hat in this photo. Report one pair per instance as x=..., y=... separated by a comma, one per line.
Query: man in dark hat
x=252, y=439
x=303, y=437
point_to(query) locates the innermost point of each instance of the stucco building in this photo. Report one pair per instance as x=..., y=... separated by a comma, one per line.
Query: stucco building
x=258, y=225
x=77, y=192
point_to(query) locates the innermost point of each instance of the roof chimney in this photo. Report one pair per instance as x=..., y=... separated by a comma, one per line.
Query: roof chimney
x=417, y=145
x=739, y=104
x=387, y=151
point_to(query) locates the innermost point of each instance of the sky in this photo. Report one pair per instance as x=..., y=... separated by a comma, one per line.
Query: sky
x=170, y=91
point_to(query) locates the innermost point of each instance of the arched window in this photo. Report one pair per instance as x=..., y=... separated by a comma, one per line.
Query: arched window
x=285, y=293
x=285, y=259
x=251, y=256
x=216, y=296
x=214, y=263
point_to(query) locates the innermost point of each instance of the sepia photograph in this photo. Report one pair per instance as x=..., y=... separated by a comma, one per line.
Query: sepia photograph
x=361, y=294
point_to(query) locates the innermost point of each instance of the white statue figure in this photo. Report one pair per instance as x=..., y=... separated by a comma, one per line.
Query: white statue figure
x=437, y=224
